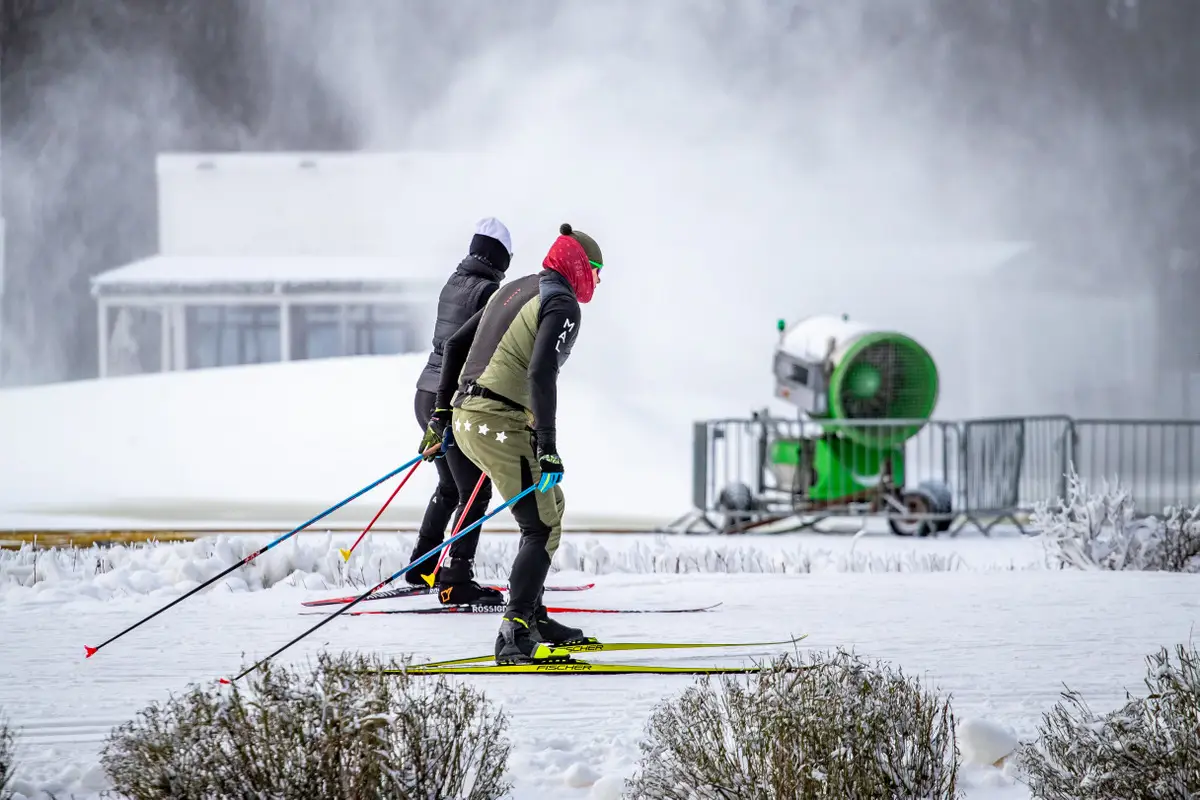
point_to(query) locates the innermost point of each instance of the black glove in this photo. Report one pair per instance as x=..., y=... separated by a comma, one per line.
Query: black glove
x=435, y=433
x=552, y=470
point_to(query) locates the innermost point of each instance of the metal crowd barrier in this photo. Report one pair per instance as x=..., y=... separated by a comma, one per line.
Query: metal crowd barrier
x=1156, y=461
x=979, y=472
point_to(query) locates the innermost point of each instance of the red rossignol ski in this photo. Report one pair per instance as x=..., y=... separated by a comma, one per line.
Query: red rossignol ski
x=499, y=608
x=416, y=591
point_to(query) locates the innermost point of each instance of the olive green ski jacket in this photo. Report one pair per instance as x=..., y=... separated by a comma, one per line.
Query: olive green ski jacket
x=505, y=359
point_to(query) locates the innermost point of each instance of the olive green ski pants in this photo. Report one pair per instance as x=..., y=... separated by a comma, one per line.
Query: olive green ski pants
x=504, y=449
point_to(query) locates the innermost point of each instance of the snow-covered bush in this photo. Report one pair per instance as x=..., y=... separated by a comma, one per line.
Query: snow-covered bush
x=342, y=731
x=1102, y=531
x=833, y=726
x=7, y=744
x=1148, y=748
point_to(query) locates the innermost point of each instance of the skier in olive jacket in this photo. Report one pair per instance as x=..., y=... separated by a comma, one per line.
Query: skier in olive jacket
x=501, y=369
x=467, y=290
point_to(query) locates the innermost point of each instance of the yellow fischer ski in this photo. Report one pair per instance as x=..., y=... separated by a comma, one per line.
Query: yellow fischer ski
x=572, y=667
x=594, y=646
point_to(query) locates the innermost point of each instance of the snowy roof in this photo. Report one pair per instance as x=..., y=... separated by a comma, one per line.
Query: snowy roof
x=200, y=272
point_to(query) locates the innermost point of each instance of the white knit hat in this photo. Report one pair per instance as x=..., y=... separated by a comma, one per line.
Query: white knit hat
x=490, y=226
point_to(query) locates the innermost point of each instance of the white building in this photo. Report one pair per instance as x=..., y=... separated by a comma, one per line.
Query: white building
x=275, y=257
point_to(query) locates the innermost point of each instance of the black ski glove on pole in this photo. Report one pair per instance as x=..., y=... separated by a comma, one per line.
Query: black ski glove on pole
x=435, y=433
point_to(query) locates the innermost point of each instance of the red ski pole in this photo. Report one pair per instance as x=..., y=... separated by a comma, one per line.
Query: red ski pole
x=371, y=524
x=478, y=485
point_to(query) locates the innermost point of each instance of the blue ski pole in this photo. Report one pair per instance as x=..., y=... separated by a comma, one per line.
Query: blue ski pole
x=384, y=583
x=91, y=651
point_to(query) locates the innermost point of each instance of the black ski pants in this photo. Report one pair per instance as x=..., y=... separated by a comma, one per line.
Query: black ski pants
x=457, y=477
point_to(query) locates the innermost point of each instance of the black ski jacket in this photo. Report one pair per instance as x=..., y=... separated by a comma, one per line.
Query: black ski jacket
x=466, y=291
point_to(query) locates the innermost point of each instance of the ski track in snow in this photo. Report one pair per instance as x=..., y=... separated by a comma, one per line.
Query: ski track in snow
x=999, y=632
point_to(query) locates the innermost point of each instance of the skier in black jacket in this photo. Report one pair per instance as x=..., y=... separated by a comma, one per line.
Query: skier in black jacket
x=468, y=289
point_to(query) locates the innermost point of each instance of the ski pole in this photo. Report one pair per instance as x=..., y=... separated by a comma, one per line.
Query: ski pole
x=91, y=651
x=346, y=553
x=383, y=583
x=478, y=485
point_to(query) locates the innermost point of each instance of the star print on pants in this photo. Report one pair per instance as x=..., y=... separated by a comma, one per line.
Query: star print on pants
x=482, y=429
x=458, y=424
x=467, y=424
x=501, y=436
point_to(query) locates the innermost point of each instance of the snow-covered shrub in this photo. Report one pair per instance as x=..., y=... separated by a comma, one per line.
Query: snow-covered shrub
x=833, y=726
x=7, y=745
x=342, y=731
x=1102, y=531
x=1148, y=748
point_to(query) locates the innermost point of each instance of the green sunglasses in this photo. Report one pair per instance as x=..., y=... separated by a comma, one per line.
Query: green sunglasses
x=595, y=266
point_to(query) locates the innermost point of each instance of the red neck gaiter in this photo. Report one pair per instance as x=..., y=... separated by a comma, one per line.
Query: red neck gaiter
x=568, y=258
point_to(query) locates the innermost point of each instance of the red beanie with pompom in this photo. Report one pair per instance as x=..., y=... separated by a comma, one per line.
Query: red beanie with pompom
x=572, y=255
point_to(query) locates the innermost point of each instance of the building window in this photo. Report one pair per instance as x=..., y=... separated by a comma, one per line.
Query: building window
x=328, y=331
x=379, y=330
x=316, y=332
x=223, y=336
x=135, y=343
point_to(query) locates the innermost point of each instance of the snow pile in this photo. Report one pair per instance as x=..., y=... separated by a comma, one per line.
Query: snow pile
x=1101, y=531
x=666, y=556
x=303, y=435
x=68, y=780
x=313, y=561
x=164, y=569
x=985, y=743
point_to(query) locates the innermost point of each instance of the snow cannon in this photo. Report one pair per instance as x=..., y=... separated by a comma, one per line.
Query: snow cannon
x=863, y=393
x=836, y=369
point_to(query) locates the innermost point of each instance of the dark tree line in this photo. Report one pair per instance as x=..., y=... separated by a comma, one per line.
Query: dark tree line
x=78, y=170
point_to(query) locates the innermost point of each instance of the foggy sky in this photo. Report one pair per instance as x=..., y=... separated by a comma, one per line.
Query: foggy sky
x=699, y=142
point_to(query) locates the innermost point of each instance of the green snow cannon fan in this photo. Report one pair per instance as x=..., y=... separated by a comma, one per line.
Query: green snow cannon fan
x=864, y=392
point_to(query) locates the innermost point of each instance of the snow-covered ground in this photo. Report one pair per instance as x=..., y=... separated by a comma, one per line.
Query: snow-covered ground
x=267, y=447
x=984, y=619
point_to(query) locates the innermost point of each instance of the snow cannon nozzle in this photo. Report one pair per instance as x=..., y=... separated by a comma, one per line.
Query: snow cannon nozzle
x=838, y=370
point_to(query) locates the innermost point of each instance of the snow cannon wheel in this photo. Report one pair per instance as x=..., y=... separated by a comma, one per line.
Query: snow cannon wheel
x=737, y=505
x=930, y=497
x=737, y=497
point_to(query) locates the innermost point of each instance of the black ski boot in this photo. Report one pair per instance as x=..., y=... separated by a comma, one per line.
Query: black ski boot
x=457, y=587
x=553, y=632
x=515, y=644
x=413, y=576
